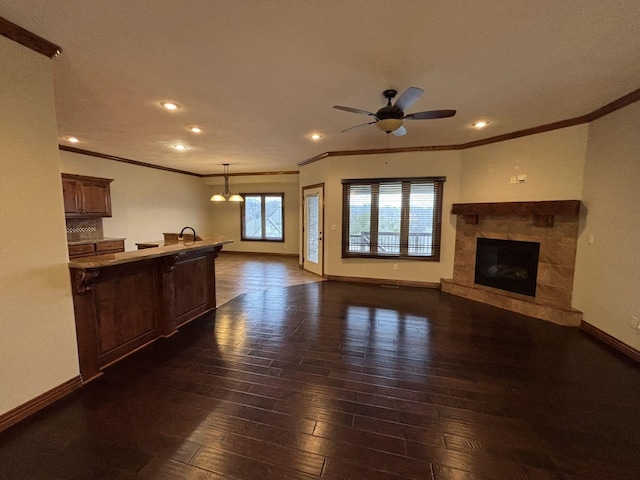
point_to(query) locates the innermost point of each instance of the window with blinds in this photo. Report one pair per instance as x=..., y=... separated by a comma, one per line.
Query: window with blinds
x=390, y=218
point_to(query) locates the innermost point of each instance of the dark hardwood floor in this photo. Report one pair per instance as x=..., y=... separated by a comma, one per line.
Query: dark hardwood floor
x=335, y=381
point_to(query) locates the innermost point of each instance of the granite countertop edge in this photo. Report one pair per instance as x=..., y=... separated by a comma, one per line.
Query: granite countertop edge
x=111, y=259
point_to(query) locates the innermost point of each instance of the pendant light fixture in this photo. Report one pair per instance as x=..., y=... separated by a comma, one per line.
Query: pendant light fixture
x=226, y=196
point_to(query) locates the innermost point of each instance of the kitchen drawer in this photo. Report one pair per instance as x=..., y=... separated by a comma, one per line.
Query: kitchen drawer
x=110, y=247
x=84, y=250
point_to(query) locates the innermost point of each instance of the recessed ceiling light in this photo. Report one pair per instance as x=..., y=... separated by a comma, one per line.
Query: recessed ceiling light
x=480, y=124
x=315, y=136
x=180, y=146
x=170, y=105
x=73, y=140
x=195, y=129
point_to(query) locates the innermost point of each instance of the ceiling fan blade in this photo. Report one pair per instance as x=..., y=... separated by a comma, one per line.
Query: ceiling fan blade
x=358, y=126
x=430, y=115
x=408, y=97
x=353, y=110
x=399, y=132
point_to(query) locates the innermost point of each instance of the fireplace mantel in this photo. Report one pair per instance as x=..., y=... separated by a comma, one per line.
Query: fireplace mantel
x=543, y=212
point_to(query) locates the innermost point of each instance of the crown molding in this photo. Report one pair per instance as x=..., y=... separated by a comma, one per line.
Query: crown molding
x=115, y=158
x=30, y=40
x=251, y=174
x=611, y=107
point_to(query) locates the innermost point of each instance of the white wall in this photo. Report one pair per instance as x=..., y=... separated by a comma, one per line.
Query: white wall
x=37, y=342
x=145, y=202
x=607, y=282
x=332, y=170
x=552, y=161
x=226, y=215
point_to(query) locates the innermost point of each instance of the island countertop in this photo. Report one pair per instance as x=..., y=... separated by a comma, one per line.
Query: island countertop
x=125, y=301
x=110, y=259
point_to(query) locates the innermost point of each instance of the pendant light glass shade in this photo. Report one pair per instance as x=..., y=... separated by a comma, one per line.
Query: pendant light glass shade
x=389, y=125
x=226, y=196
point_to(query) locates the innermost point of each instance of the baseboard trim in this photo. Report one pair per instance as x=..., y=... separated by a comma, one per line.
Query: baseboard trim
x=383, y=281
x=271, y=254
x=613, y=342
x=38, y=403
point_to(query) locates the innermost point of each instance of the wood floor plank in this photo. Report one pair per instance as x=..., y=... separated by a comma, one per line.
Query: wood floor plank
x=297, y=378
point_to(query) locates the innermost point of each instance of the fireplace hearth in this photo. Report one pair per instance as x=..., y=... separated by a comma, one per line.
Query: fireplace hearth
x=539, y=286
x=507, y=264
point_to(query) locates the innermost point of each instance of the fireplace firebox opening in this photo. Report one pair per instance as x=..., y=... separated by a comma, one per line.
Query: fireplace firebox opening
x=507, y=264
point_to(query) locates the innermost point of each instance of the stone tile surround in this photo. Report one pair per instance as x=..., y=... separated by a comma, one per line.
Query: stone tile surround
x=556, y=265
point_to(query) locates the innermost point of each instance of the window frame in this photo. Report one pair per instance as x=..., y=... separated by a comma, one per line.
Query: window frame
x=405, y=186
x=262, y=196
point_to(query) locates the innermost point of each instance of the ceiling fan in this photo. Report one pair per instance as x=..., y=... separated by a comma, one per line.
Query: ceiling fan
x=390, y=118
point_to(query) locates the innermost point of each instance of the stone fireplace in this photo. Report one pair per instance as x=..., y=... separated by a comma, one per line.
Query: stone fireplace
x=514, y=235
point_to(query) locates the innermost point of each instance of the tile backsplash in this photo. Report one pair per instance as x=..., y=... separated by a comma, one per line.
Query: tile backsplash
x=81, y=229
x=84, y=229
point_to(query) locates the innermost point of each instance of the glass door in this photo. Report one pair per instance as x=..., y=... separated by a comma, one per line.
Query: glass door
x=313, y=229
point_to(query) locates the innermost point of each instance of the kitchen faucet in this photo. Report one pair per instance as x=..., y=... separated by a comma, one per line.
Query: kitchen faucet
x=188, y=228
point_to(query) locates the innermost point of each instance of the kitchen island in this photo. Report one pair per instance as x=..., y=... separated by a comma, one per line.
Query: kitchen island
x=125, y=301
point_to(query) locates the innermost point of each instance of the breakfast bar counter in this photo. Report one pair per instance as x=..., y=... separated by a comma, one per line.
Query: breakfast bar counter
x=125, y=301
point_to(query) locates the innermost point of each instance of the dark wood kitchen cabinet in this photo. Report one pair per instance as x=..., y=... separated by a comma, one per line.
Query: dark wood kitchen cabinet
x=84, y=250
x=123, y=303
x=90, y=248
x=86, y=197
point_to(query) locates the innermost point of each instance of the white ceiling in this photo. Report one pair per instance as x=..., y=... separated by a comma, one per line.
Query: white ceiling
x=260, y=76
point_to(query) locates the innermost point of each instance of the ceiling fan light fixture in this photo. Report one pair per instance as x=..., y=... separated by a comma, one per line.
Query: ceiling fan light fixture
x=390, y=118
x=388, y=125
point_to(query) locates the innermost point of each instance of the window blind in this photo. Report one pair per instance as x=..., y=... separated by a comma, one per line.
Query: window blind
x=390, y=218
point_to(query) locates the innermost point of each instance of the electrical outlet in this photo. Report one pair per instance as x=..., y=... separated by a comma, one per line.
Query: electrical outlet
x=395, y=266
x=634, y=323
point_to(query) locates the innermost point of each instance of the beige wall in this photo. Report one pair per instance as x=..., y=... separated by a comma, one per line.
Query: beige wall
x=145, y=202
x=37, y=346
x=607, y=283
x=552, y=161
x=226, y=215
x=332, y=170
x=37, y=343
